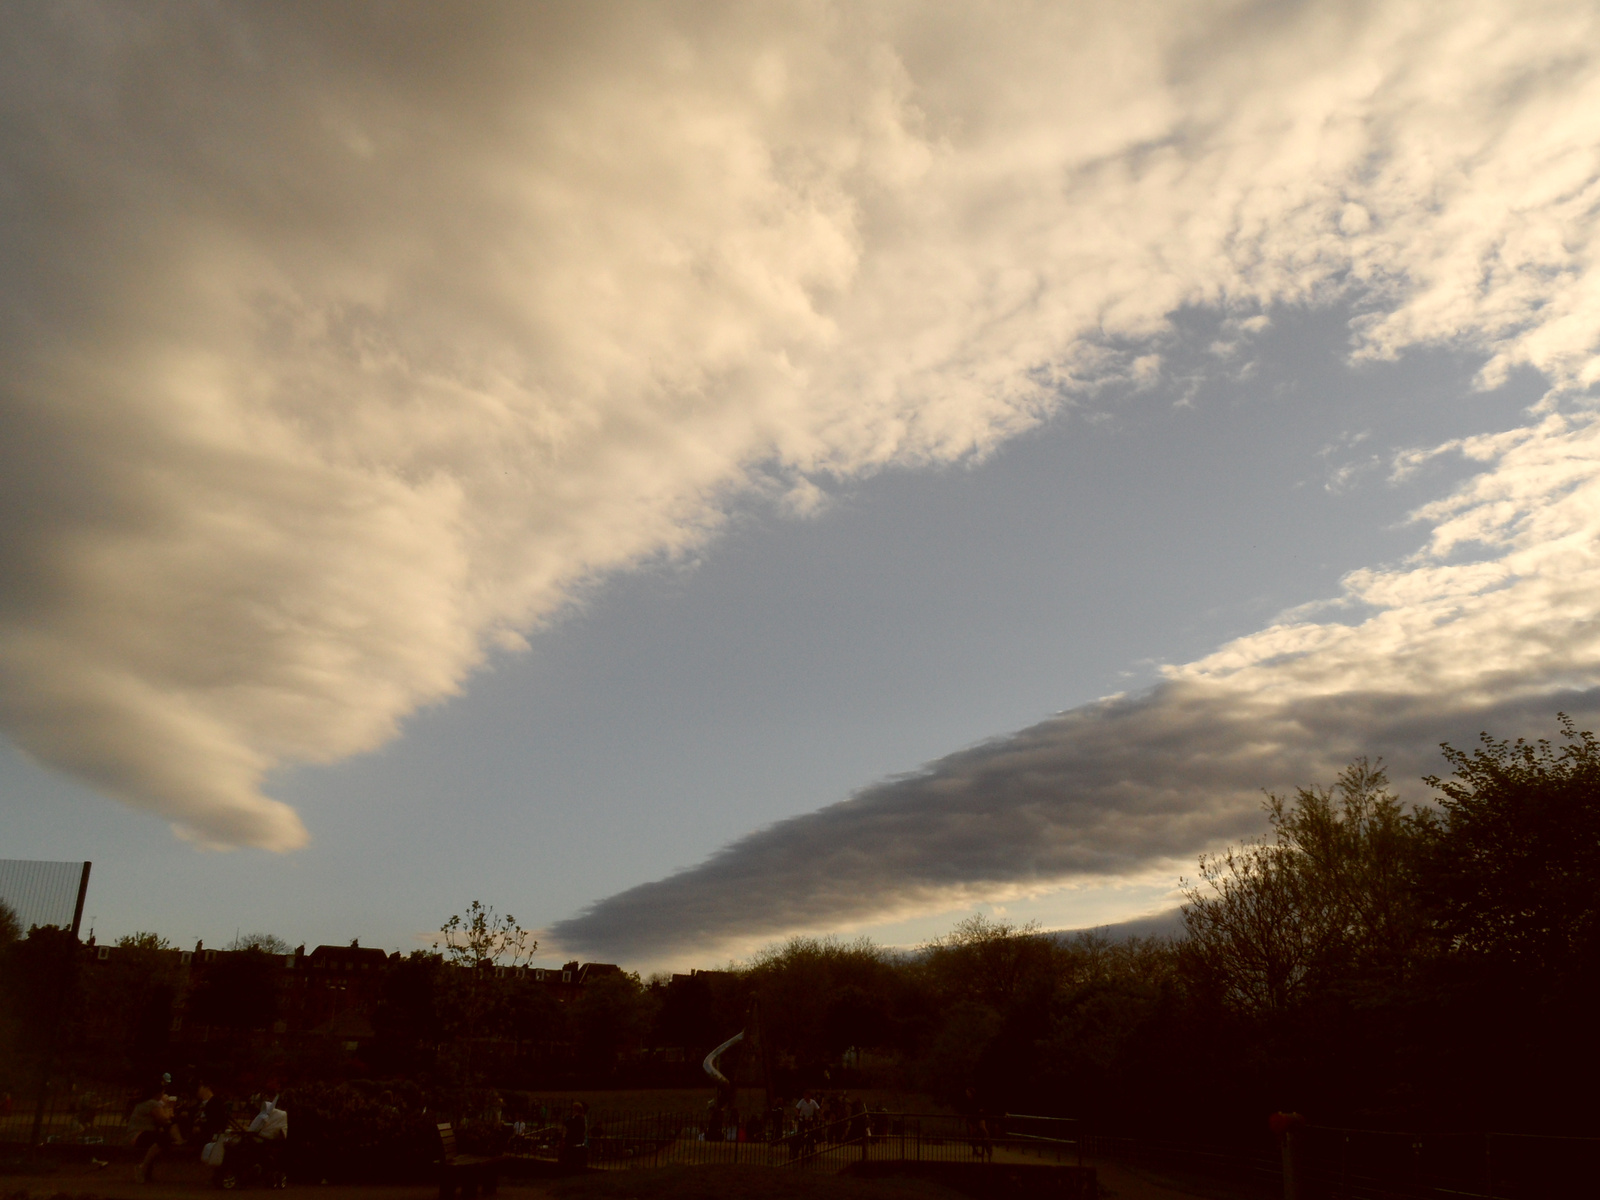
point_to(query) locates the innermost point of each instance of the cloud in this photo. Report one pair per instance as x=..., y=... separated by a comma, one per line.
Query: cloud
x=344, y=345
x=1140, y=784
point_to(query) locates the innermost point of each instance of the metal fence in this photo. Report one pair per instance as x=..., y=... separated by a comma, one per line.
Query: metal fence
x=692, y=1139
x=931, y=1137
x=44, y=893
x=73, y=1115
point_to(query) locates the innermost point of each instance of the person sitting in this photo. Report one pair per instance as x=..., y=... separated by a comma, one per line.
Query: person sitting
x=210, y=1117
x=148, y=1125
x=271, y=1124
x=267, y=1135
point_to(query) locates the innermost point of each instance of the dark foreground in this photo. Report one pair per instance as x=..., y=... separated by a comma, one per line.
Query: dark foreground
x=191, y=1182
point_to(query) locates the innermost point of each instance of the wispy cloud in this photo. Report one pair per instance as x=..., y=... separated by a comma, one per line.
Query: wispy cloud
x=342, y=344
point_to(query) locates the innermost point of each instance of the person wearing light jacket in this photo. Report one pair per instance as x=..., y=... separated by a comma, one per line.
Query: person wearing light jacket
x=271, y=1123
x=269, y=1131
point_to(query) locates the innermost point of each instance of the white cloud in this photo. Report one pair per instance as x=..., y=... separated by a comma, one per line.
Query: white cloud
x=344, y=343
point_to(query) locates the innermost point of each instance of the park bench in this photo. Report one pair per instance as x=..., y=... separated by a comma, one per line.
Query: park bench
x=471, y=1174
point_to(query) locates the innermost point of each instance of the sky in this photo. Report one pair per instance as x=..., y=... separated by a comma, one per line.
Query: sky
x=690, y=475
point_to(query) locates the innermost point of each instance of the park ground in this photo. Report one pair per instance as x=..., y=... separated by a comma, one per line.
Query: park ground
x=184, y=1181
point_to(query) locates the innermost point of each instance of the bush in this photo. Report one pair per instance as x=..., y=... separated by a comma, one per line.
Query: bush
x=349, y=1132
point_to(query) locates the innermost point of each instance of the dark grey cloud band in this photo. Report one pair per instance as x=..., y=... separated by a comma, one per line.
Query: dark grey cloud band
x=1104, y=791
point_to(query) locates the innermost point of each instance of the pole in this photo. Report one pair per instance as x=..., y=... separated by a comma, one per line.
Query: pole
x=47, y=1066
x=60, y=970
x=83, y=892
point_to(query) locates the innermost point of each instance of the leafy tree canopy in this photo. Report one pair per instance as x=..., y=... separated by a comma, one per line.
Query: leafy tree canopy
x=143, y=940
x=1515, y=874
x=267, y=943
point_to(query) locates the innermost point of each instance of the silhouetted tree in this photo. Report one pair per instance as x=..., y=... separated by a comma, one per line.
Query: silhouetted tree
x=1514, y=877
x=408, y=1019
x=143, y=940
x=611, y=1018
x=473, y=996
x=1511, y=881
x=267, y=943
x=237, y=992
x=1328, y=896
x=820, y=996
x=41, y=998
x=686, y=1017
x=990, y=962
x=534, y=1017
x=133, y=998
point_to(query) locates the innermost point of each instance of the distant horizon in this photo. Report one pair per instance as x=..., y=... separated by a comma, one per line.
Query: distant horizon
x=1168, y=922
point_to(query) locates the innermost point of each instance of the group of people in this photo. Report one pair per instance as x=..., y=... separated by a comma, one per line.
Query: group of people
x=804, y=1124
x=835, y=1115
x=159, y=1125
x=573, y=1132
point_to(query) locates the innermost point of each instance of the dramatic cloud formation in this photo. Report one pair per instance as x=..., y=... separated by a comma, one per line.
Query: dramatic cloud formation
x=342, y=344
x=1135, y=785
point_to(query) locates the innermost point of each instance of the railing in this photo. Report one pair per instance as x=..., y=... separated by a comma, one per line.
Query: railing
x=89, y=1117
x=633, y=1140
x=933, y=1137
x=636, y=1141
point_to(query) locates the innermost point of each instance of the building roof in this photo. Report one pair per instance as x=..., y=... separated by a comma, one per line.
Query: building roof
x=339, y=957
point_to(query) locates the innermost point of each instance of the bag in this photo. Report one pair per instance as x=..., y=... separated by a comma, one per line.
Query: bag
x=212, y=1154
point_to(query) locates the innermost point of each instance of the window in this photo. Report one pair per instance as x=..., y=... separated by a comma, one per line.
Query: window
x=566, y=977
x=102, y=953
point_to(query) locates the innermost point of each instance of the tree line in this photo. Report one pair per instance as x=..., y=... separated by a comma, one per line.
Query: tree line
x=1363, y=962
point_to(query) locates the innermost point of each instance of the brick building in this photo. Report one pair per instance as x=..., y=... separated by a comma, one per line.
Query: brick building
x=168, y=1003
